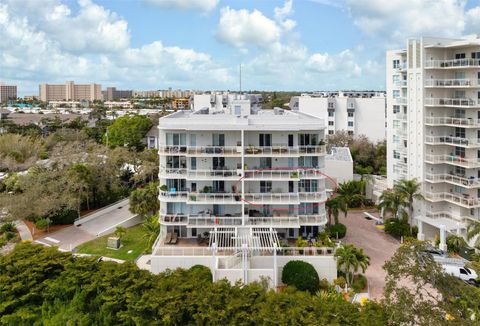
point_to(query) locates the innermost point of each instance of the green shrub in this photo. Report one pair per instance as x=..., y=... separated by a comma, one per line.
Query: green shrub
x=340, y=281
x=397, y=227
x=42, y=224
x=455, y=243
x=359, y=283
x=339, y=228
x=8, y=227
x=63, y=216
x=3, y=241
x=9, y=235
x=201, y=272
x=302, y=275
x=324, y=284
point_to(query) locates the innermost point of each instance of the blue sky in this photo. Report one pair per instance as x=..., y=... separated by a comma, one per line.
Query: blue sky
x=198, y=44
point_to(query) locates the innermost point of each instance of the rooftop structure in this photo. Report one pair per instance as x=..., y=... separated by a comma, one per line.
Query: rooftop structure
x=433, y=96
x=235, y=181
x=358, y=113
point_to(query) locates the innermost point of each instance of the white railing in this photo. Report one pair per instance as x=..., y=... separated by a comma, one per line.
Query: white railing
x=315, y=196
x=170, y=195
x=212, y=174
x=400, y=100
x=442, y=214
x=173, y=172
x=457, y=141
x=400, y=83
x=462, y=102
x=306, y=251
x=284, y=150
x=464, y=200
x=273, y=220
x=455, y=159
x=313, y=219
x=272, y=174
x=445, y=177
x=215, y=198
x=453, y=63
x=277, y=197
x=464, y=122
x=401, y=66
x=174, y=218
x=207, y=251
x=208, y=221
x=214, y=150
x=400, y=116
x=451, y=83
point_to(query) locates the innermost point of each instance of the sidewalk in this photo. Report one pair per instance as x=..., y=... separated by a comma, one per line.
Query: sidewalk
x=23, y=231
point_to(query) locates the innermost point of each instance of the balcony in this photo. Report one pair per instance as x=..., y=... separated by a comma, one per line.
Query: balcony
x=214, y=174
x=400, y=100
x=458, y=180
x=214, y=198
x=275, y=221
x=282, y=150
x=176, y=173
x=452, y=64
x=313, y=219
x=201, y=150
x=452, y=102
x=455, y=198
x=204, y=220
x=313, y=196
x=174, y=219
x=400, y=83
x=452, y=121
x=453, y=160
x=401, y=66
x=400, y=116
x=454, y=141
x=454, y=83
x=173, y=195
x=282, y=175
x=272, y=198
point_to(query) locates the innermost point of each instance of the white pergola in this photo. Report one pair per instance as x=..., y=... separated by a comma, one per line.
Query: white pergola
x=259, y=239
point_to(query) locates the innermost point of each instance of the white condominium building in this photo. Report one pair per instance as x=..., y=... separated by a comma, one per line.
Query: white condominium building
x=70, y=91
x=7, y=92
x=358, y=113
x=433, y=96
x=234, y=180
x=222, y=100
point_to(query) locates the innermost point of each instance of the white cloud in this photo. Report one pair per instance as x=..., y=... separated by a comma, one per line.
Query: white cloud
x=343, y=62
x=201, y=5
x=242, y=28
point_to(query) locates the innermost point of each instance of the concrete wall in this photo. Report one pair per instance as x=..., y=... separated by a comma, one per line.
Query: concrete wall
x=340, y=171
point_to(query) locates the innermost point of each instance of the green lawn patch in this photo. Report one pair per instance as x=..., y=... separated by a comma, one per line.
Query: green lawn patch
x=134, y=239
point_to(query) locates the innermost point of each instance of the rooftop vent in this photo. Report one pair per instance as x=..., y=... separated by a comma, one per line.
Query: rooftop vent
x=278, y=111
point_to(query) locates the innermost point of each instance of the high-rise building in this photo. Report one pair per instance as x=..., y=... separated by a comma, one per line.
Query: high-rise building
x=234, y=180
x=433, y=113
x=70, y=92
x=7, y=92
x=112, y=93
x=357, y=112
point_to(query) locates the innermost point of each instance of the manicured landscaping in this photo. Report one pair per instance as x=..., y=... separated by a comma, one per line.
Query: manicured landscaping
x=134, y=239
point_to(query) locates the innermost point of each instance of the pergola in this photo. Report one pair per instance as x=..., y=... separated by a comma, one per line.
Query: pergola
x=259, y=239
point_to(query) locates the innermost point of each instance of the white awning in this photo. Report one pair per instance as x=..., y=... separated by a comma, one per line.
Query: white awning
x=447, y=223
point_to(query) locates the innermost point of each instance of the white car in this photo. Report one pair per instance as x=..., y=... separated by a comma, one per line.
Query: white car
x=460, y=272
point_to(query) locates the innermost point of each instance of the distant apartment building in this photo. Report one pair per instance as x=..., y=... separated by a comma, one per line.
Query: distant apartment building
x=222, y=100
x=358, y=113
x=235, y=180
x=7, y=92
x=433, y=135
x=112, y=93
x=70, y=91
x=169, y=93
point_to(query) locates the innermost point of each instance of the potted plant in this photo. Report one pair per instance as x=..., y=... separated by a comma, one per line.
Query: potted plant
x=163, y=188
x=301, y=243
x=294, y=175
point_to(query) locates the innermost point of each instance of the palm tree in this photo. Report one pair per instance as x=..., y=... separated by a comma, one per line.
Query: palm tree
x=351, y=192
x=411, y=190
x=350, y=259
x=392, y=201
x=333, y=208
x=151, y=226
x=473, y=230
x=120, y=231
x=144, y=201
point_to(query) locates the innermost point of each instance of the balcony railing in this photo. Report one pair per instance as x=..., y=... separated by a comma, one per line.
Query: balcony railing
x=173, y=172
x=272, y=174
x=460, y=199
x=451, y=178
x=215, y=198
x=400, y=116
x=400, y=83
x=453, y=159
x=273, y=220
x=278, y=197
x=454, y=63
x=452, y=83
x=213, y=174
x=456, y=141
x=209, y=221
x=317, y=219
x=463, y=122
x=312, y=196
x=174, y=195
x=454, y=102
x=400, y=100
x=281, y=150
x=201, y=150
x=401, y=66
x=174, y=218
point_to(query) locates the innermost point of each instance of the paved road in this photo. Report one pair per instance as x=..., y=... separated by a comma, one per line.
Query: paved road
x=69, y=238
x=376, y=244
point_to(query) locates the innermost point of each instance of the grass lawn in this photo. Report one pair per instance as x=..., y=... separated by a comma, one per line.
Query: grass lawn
x=134, y=239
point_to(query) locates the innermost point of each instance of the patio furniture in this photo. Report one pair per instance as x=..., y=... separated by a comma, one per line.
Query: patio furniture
x=168, y=238
x=174, y=238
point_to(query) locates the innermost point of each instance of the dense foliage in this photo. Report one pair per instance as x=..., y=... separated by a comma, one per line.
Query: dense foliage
x=40, y=285
x=301, y=275
x=368, y=157
x=128, y=130
x=144, y=200
x=336, y=230
x=400, y=228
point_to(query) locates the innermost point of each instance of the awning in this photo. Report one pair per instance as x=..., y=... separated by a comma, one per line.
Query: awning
x=447, y=223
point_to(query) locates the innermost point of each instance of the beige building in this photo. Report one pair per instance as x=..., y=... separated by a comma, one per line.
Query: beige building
x=70, y=91
x=7, y=92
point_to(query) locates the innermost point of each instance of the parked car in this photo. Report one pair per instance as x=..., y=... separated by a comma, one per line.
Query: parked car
x=461, y=272
x=435, y=252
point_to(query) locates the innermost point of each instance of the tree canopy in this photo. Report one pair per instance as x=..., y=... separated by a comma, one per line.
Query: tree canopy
x=128, y=130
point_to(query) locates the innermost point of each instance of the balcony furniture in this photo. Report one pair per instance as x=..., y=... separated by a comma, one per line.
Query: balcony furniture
x=168, y=238
x=174, y=238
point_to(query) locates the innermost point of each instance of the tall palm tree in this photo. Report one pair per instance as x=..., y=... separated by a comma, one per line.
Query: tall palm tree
x=350, y=192
x=333, y=208
x=473, y=230
x=151, y=227
x=350, y=259
x=411, y=190
x=392, y=201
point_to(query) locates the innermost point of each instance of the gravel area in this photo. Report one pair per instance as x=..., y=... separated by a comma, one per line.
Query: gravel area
x=379, y=246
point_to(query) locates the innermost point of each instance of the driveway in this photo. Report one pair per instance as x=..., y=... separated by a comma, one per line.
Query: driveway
x=379, y=246
x=105, y=219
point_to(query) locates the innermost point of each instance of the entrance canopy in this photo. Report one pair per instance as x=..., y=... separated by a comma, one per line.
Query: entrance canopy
x=447, y=223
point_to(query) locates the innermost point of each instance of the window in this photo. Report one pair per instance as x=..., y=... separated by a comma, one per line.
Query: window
x=331, y=113
x=308, y=185
x=396, y=124
x=152, y=142
x=460, y=151
x=194, y=232
x=396, y=79
x=396, y=93
x=459, y=75
x=396, y=155
x=396, y=109
x=176, y=139
x=459, y=113
x=350, y=123
x=331, y=132
x=193, y=140
x=265, y=186
x=218, y=140
x=238, y=110
x=193, y=163
x=350, y=132
x=475, y=55
x=265, y=162
x=330, y=123
x=350, y=114
x=396, y=64
x=218, y=163
x=459, y=94
x=460, y=56
x=307, y=139
x=176, y=162
x=331, y=105
x=308, y=161
x=459, y=132
x=265, y=140
x=459, y=171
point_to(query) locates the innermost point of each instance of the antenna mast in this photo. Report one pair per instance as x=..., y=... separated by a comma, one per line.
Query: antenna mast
x=240, y=78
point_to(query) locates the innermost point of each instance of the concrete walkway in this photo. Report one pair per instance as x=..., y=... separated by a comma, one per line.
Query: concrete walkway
x=379, y=246
x=143, y=262
x=23, y=231
x=88, y=229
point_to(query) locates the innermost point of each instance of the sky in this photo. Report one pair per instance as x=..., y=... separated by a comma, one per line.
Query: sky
x=298, y=45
